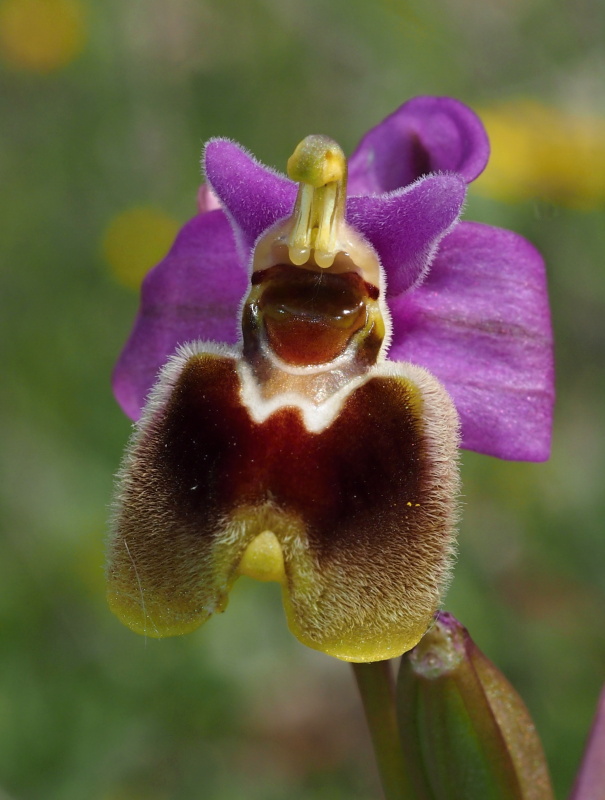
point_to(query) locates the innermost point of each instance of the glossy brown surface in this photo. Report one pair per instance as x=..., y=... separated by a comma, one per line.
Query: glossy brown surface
x=310, y=317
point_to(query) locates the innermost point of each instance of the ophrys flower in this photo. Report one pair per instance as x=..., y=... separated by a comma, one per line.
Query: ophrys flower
x=302, y=454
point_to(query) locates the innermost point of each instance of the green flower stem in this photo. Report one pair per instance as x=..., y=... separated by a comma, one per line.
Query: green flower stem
x=377, y=689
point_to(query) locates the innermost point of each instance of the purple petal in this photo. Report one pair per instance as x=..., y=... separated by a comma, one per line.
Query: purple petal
x=426, y=134
x=194, y=293
x=590, y=782
x=406, y=227
x=254, y=196
x=481, y=324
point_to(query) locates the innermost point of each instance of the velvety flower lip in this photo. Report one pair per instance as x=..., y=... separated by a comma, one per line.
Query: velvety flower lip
x=357, y=498
x=467, y=301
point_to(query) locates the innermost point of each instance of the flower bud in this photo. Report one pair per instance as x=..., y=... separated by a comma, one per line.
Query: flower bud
x=466, y=733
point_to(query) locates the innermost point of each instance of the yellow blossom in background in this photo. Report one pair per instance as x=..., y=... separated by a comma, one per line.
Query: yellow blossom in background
x=41, y=35
x=135, y=241
x=544, y=153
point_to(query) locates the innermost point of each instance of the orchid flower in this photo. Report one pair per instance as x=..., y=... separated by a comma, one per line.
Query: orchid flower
x=318, y=446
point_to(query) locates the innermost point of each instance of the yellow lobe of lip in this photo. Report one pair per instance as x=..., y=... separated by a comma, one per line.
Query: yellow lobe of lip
x=319, y=165
x=263, y=559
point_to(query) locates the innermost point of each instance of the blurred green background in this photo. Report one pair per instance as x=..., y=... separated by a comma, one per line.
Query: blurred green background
x=105, y=106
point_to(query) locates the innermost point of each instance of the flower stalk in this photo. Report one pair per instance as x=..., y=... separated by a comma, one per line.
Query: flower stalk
x=377, y=689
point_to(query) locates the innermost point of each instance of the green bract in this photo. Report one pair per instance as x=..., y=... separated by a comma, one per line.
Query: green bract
x=465, y=732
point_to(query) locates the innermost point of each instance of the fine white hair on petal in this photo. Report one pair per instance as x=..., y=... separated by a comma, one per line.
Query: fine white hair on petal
x=158, y=397
x=429, y=255
x=243, y=246
x=172, y=369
